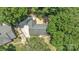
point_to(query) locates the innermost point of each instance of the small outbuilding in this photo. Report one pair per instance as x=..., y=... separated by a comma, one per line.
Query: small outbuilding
x=33, y=26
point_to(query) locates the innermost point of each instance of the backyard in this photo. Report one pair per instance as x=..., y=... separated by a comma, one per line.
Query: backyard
x=34, y=44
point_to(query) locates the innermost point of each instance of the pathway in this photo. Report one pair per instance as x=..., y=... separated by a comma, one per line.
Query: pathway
x=23, y=38
x=47, y=41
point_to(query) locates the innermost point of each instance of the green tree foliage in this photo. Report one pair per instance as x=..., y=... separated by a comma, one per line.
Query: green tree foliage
x=17, y=14
x=12, y=15
x=64, y=29
x=42, y=11
x=8, y=47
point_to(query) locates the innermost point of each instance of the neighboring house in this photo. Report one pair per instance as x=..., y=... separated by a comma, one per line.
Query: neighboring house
x=32, y=26
x=6, y=34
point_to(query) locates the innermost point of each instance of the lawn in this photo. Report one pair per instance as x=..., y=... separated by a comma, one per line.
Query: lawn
x=34, y=44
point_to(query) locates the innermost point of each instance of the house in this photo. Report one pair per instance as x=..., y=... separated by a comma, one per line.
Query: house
x=6, y=34
x=33, y=26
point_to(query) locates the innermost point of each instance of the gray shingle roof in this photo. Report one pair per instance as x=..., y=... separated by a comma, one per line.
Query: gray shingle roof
x=4, y=39
x=39, y=26
x=4, y=28
x=34, y=28
x=6, y=34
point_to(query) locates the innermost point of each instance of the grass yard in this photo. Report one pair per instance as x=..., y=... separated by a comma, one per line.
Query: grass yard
x=34, y=44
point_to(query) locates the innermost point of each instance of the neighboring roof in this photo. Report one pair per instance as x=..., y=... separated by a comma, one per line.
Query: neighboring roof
x=29, y=22
x=6, y=34
x=4, y=39
x=4, y=28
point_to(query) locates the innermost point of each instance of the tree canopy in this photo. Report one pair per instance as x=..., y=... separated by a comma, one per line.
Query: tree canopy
x=12, y=15
x=64, y=29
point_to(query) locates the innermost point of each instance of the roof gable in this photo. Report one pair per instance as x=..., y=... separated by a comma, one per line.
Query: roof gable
x=30, y=22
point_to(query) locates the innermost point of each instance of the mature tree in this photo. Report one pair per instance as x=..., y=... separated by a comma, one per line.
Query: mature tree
x=64, y=29
x=42, y=11
x=12, y=15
